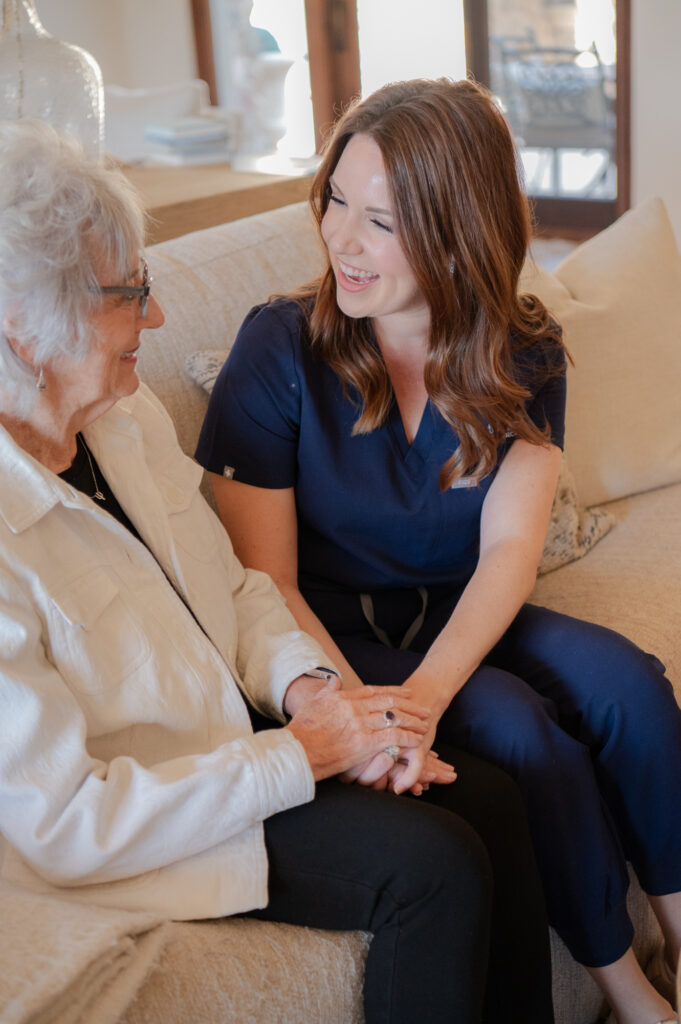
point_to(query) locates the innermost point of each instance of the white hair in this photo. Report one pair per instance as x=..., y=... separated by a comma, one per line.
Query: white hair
x=62, y=217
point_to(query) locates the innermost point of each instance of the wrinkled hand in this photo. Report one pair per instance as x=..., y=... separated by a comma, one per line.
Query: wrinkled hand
x=341, y=728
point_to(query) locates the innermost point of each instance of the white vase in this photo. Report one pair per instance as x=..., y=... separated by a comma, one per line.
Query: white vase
x=43, y=78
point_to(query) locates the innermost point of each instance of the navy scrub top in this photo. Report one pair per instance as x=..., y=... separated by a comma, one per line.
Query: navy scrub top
x=370, y=512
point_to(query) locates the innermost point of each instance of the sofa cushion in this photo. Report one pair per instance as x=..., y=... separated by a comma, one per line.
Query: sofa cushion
x=618, y=298
x=630, y=581
x=238, y=970
x=206, y=282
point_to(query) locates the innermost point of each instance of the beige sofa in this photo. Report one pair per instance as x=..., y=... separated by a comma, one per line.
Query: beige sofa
x=619, y=298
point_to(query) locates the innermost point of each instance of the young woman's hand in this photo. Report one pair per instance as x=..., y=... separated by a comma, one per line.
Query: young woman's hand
x=382, y=771
x=342, y=728
x=412, y=765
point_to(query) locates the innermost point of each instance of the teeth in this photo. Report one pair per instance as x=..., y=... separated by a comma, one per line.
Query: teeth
x=354, y=274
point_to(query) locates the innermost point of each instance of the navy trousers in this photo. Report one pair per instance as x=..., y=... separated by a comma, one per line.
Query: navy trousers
x=588, y=726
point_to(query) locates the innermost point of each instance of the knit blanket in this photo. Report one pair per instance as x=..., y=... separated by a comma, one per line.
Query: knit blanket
x=68, y=963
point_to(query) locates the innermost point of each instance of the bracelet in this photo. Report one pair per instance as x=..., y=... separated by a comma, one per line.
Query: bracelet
x=322, y=672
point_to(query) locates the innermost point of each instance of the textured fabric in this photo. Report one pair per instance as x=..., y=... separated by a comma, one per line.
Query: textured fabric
x=242, y=971
x=630, y=582
x=618, y=299
x=122, y=717
x=206, y=283
x=61, y=963
x=572, y=531
x=204, y=366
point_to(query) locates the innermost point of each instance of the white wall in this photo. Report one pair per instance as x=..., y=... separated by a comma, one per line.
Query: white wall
x=656, y=104
x=137, y=43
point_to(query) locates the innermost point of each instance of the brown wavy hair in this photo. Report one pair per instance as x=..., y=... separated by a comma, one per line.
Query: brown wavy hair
x=464, y=224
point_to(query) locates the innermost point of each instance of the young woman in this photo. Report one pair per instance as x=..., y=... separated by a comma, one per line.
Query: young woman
x=386, y=444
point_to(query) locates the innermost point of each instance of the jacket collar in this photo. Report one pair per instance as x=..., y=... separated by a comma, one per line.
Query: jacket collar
x=117, y=442
x=29, y=490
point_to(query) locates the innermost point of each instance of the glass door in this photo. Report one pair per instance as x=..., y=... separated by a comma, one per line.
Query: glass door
x=557, y=69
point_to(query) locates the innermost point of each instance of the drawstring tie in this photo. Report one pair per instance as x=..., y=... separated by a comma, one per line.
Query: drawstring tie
x=368, y=610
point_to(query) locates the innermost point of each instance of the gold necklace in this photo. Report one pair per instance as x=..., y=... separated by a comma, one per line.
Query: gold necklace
x=98, y=494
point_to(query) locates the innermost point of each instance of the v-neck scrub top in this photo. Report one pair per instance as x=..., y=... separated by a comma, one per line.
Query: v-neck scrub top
x=370, y=511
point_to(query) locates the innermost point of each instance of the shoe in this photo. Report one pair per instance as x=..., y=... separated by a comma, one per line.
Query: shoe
x=661, y=977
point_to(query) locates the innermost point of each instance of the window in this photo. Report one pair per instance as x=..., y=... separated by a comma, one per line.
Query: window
x=559, y=67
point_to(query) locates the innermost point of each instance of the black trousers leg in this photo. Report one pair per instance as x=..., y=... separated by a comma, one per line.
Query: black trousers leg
x=415, y=875
x=519, y=978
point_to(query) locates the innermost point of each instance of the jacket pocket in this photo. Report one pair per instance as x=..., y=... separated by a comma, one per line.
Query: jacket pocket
x=97, y=641
x=189, y=515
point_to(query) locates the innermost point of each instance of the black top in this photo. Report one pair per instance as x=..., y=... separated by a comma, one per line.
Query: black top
x=82, y=476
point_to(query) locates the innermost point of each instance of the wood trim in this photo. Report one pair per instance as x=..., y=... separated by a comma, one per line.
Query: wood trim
x=333, y=49
x=203, y=43
x=476, y=35
x=623, y=105
x=182, y=199
x=572, y=217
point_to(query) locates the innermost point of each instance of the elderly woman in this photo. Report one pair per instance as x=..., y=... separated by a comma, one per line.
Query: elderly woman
x=130, y=771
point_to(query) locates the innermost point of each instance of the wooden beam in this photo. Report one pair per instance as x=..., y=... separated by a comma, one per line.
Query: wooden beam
x=203, y=43
x=623, y=105
x=476, y=39
x=333, y=49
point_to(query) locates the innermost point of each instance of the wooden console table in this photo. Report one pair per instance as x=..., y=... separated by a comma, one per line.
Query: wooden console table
x=183, y=199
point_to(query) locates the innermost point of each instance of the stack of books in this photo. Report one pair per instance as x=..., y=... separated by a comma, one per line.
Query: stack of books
x=189, y=140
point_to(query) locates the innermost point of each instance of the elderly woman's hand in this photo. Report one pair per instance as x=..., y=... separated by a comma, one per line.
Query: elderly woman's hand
x=342, y=728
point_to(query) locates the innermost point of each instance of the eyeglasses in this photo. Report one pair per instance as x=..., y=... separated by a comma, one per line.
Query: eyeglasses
x=132, y=291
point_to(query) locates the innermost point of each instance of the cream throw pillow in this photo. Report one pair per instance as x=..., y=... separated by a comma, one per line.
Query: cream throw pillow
x=572, y=531
x=618, y=298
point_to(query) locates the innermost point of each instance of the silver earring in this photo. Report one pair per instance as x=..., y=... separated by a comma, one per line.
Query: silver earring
x=41, y=383
x=451, y=265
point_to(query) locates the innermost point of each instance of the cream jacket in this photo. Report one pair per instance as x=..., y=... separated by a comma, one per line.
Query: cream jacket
x=129, y=772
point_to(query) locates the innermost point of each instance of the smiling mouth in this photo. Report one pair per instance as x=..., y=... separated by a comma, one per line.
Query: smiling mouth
x=129, y=356
x=355, y=275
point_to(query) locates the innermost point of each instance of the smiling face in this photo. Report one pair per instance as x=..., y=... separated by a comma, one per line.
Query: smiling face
x=86, y=388
x=373, y=276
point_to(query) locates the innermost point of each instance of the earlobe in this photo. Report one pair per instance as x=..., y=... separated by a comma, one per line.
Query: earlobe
x=19, y=348
x=25, y=353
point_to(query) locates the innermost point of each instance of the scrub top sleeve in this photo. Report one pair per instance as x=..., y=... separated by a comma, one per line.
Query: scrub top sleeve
x=547, y=404
x=251, y=429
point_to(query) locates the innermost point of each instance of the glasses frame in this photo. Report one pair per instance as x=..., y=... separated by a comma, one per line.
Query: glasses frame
x=140, y=291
